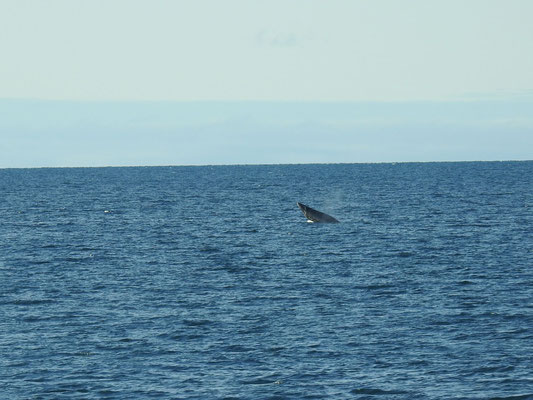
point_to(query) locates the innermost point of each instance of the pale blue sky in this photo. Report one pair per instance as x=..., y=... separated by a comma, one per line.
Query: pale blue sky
x=358, y=52
x=362, y=50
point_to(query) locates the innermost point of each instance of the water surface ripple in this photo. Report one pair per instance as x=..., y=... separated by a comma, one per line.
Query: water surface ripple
x=207, y=282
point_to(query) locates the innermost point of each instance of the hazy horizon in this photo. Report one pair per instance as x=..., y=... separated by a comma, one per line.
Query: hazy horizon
x=40, y=133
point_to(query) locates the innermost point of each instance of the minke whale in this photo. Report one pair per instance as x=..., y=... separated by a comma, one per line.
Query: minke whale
x=313, y=215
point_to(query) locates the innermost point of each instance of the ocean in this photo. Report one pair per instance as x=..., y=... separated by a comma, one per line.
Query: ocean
x=208, y=282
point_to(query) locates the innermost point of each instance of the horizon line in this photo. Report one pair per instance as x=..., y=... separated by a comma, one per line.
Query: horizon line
x=270, y=164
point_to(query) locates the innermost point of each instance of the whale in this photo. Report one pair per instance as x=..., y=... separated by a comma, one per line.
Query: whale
x=313, y=215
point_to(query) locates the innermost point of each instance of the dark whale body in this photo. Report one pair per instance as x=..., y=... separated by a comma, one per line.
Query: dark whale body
x=313, y=215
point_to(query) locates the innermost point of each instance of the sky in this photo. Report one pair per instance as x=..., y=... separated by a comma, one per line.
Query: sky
x=240, y=63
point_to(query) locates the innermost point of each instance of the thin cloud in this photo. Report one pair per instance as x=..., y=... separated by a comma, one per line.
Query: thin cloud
x=271, y=38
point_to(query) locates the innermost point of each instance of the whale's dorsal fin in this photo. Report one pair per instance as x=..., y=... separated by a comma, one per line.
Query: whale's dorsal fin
x=313, y=215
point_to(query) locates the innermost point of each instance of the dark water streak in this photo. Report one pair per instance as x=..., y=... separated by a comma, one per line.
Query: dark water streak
x=206, y=282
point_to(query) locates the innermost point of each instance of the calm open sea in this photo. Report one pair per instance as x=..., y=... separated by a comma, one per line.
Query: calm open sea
x=208, y=283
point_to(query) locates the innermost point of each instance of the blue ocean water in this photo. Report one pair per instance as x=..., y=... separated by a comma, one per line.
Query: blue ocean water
x=208, y=283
